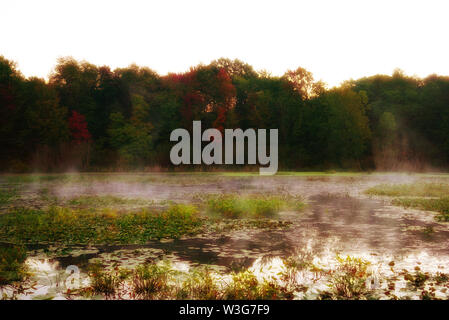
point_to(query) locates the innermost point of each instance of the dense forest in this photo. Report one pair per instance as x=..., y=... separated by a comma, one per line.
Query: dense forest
x=92, y=118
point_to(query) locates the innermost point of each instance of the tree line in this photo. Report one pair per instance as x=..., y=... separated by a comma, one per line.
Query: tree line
x=89, y=117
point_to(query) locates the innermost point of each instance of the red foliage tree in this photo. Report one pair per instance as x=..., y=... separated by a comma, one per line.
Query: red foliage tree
x=226, y=96
x=78, y=128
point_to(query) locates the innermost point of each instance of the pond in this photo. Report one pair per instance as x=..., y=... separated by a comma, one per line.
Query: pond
x=339, y=220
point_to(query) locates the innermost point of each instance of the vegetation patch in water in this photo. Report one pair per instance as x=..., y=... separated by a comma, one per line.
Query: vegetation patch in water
x=80, y=226
x=12, y=268
x=160, y=281
x=440, y=205
x=246, y=286
x=151, y=281
x=199, y=284
x=256, y=206
x=223, y=225
x=412, y=190
x=423, y=196
x=349, y=279
x=108, y=284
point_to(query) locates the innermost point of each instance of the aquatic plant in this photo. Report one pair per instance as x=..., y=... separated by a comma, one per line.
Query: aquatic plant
x=349, y=279
x=107, y=283
x=200, y=284
x=440, y=205
x=418, y=189
x=73, y=226
x=12, y=267
x=245, y=285
x=416, y=280
x=151, y=281
x=232, y=206
x=439, y=191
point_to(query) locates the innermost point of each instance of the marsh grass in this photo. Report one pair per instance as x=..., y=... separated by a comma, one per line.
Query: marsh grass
x=81, y=226
x=232, y=206
x=411, y=190
x=294, y=264
x=423, y=196
x=108, y=284
x=200, y=284
x=245, y=286
x=158, y=280
x=349, y=279
x=152, y=281
x=12, y=267
x=440, y=205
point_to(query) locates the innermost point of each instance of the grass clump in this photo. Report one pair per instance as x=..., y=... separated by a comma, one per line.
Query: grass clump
x=12, y=268
x=412, y=190
x=81, y=226
x=105, y=283
x=159, y=281
x=199, y=285
x=151, y=281
x=349, y=280
x=440, y=205
x=426, y=196
x=231, y=206
x=246, y=286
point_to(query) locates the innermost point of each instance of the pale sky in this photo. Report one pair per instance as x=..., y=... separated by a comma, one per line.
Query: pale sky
x=335, y=40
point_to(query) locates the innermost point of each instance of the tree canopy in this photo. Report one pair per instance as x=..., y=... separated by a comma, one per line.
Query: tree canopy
x=122, y=119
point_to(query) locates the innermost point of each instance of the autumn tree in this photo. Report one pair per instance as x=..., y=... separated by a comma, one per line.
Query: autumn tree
x=302, y=81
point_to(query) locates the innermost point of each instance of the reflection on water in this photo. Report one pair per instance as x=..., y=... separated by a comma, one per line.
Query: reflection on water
x=53, y=281
x=50, y=281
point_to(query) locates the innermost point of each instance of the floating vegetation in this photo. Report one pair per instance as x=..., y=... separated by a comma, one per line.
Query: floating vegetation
x=82, y=226
x=417, y=279
x=225, y=225
x=109, y=226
